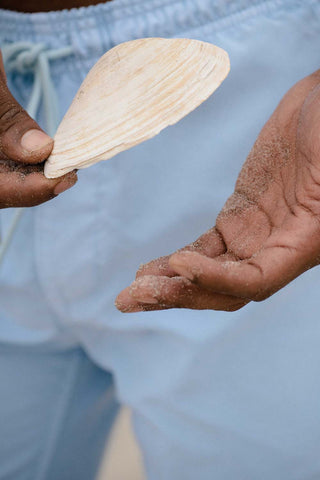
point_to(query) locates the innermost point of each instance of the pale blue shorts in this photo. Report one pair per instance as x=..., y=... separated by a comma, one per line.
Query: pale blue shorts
x=215, y=396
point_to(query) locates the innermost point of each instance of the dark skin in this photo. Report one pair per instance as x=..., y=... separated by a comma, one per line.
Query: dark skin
x=23, y=149
x=267, y=234
x=23, y=145
x=31, y=6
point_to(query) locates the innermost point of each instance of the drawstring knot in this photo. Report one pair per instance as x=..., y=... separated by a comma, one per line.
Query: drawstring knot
x=22, y=57
x=25, y=58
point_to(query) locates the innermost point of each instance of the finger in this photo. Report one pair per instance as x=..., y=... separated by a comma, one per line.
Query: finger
x=256, y=278
x=21, y=138
x=210, y=244
x=177, y=292
x=125, y=303
x=159, y=266
x=18, y=189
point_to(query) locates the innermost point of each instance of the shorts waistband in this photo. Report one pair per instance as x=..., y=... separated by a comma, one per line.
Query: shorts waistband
x=170, y=15
x=95, y=29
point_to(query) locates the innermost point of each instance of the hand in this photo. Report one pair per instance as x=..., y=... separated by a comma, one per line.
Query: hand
x=23, y=148
x=267, y=233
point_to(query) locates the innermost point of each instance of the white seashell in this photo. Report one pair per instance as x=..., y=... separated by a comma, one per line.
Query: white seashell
x=132, y=93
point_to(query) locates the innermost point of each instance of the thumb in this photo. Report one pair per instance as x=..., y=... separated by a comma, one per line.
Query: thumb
x=21, y=138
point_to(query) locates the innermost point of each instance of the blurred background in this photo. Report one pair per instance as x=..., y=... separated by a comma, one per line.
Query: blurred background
x=122, y=460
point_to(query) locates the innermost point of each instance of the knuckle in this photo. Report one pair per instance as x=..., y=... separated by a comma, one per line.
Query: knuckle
x=9, y=115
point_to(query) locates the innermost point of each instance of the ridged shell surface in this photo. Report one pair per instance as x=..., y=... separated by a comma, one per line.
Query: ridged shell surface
x=132, y=93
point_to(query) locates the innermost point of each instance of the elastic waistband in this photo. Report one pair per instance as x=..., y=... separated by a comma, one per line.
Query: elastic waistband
x=108, y=24
x=169, y=15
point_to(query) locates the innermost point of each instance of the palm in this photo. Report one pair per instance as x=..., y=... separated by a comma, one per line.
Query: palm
x=266, y=234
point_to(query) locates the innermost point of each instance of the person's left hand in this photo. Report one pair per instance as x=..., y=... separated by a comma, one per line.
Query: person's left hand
x=268, y=232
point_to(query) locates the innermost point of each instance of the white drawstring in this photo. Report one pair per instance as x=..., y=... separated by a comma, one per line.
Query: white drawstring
x=23, y=58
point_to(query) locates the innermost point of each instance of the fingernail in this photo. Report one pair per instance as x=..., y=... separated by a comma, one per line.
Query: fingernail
x=139, y=296
x=146, y=299
x=63, y=186
x=34, y=140
x=181, y=269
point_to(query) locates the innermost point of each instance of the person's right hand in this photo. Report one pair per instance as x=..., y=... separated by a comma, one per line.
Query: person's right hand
x=23, y=149
x=268, y=232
